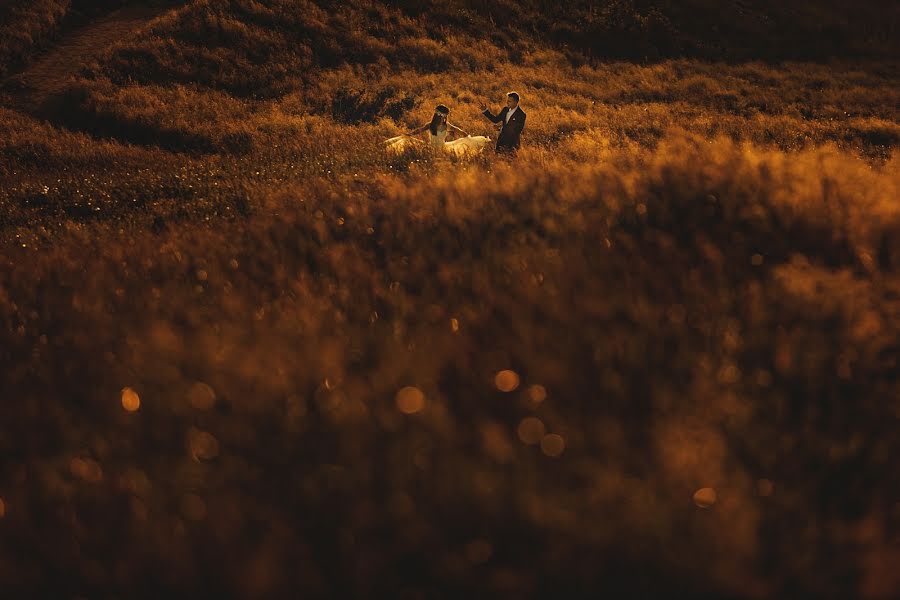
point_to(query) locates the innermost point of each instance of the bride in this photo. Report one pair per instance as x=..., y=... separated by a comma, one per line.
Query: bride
x=437, y=130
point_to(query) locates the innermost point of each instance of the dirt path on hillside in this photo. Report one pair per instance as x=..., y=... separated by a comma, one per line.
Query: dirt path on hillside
x=49, y=71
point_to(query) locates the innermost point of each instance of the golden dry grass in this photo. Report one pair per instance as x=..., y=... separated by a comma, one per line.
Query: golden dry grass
x=246, y=352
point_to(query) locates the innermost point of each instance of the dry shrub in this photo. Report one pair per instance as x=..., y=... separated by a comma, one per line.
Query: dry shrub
x=877, y=133
x=357, y=106
x=425, y=54
x=618, y=29
x=25, y=26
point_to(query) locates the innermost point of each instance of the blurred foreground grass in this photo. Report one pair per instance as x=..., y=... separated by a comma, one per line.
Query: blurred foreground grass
x=464, y=378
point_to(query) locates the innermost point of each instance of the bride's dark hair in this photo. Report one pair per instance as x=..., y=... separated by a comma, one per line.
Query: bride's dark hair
x=439, y=112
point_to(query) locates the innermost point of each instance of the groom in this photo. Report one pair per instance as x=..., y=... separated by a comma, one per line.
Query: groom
x=513, y=119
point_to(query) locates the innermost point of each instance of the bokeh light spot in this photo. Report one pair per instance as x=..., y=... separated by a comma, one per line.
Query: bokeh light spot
x=135, y=481
x=705, y=497
x=506, y=380
x=2, y=508
x=763, y=378
x=531, y=430
x=295, y=407
x=410, y=400
x=202, y=396
x=454, y=325
x=729, y=373
x=677, y=314
x=193, y=507
x=130, y=400
x=203, y=445
x=139, y=509
x=553, y=445
x=86, y=469
x=479, y=551
x=537, y=394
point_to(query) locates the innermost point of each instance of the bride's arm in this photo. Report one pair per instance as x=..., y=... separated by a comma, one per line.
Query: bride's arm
x=457, y=128
x=494, y=118
x=418, y=130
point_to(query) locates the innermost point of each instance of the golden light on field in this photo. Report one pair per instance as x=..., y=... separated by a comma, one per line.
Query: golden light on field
x=765, y=487
x=202, y=396
x=410, y=400
x=130, y=400
x=553, y=445
x=691, y=250
x=531, y=430
x=705, y=497
x=506, y=380
x=203, y=445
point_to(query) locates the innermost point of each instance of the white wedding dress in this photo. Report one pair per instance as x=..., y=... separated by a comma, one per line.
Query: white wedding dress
x=459, y=147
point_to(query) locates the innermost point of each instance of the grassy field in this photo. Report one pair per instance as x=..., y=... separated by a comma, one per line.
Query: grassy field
x=247, y=353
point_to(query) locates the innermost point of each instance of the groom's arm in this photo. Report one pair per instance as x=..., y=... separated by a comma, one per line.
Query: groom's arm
x=494, y=118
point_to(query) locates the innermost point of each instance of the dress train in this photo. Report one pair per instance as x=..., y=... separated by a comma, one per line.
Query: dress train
x=459, y=147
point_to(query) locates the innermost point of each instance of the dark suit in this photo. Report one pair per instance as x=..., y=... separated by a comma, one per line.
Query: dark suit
x=508, y=141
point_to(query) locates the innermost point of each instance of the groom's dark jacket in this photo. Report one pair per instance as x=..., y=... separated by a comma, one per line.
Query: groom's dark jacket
x=509, y=134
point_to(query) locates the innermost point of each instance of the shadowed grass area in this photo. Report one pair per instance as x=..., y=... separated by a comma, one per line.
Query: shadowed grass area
x=254, y=48
x=25, y=25
x=28, y=26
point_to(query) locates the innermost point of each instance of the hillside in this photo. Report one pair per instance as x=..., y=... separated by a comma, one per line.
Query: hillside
x=246, y=352
x=362, y=30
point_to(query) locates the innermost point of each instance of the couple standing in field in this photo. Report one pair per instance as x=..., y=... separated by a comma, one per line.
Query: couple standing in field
x=511, y=116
